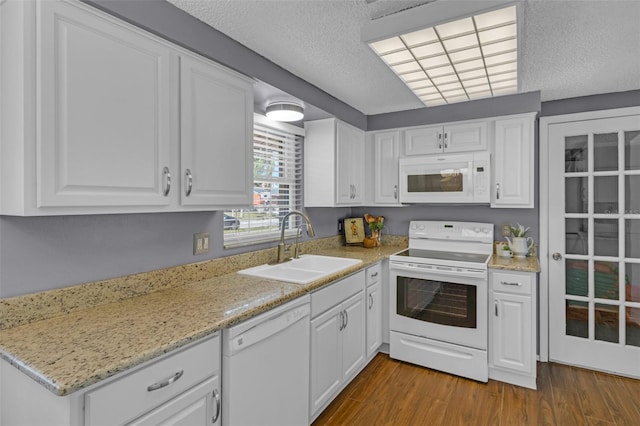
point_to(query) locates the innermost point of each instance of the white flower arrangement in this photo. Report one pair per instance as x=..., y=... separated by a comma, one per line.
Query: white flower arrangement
x=520, y=231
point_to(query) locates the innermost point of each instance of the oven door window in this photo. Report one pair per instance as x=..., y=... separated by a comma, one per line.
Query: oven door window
x=437, y=302
x=444, y=181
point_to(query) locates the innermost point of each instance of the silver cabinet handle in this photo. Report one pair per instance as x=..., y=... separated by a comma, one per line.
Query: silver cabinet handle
x=346, y=316
x=189, y=180
x=216, y=397
x=495, y=305
x=167, y=382
x=439, y=140
x=497, y=191
x=167, y=177
x=375, y=274
x=370, y=301
x=511, y=284
x=341, y=320
x=556, y=256
x=395, y=192
x=446, y=135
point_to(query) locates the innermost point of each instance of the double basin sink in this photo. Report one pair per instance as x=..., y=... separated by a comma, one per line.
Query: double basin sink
x=303, y=270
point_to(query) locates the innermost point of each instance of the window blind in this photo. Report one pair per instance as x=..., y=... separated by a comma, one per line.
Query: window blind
x=277, y=187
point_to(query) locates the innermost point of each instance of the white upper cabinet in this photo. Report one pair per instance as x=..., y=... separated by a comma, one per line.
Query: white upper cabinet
x=216, y=149
x=95, y=124
x=513, y=162
x=386, y=156
x=333, y=164
x=104, y=112
x=459, y=137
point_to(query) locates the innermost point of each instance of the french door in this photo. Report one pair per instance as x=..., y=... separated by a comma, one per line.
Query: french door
x=594, y=244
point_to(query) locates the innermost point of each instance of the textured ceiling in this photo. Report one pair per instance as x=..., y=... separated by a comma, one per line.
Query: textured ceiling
x=568, y=48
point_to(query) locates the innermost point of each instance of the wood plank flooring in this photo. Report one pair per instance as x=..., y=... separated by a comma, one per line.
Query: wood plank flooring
x=390, y=392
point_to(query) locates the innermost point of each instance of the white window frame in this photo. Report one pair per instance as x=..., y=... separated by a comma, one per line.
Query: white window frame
x=245, y=239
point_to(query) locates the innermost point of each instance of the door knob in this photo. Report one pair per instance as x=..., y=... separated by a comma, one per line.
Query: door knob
x=556, y=256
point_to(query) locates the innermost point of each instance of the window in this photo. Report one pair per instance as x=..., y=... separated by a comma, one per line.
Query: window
x=277, y=185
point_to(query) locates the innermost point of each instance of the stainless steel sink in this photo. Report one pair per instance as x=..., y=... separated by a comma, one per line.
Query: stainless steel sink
x=303, y=270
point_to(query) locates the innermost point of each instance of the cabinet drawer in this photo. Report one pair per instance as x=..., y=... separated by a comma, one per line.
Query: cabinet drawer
x=373, y=274
x=335, y=293
x=511, y=282
x=125, y=399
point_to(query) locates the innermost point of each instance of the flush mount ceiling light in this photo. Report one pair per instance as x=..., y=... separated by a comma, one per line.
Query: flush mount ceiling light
x=452, y=60
x=285, y=111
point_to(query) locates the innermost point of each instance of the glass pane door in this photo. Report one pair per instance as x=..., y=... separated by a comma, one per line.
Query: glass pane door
x=594, y=217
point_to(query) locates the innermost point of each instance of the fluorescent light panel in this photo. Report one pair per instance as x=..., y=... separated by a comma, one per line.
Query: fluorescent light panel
x=470, y=58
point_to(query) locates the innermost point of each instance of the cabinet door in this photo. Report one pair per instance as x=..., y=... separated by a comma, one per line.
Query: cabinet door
x=465, y=137
x=326, y=357
x=423, y=140
x=353, y=335
x=104, y=110
x=216, y=141
x=513, y=163
x=387, y=152
x=512, y=332
x=199, y=405
x=350, y=167
x=374, y=318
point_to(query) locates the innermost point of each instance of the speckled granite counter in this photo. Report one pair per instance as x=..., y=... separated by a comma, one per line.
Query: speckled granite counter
x=520, y=264
x=74, y=348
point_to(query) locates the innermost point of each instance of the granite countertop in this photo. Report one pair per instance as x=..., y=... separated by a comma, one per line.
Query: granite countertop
x=518, y=264
x=68, y=352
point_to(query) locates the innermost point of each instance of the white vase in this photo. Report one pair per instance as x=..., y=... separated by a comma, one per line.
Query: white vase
x=520, y=246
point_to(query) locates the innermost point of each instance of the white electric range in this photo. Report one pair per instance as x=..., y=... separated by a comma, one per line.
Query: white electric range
x=439, y=295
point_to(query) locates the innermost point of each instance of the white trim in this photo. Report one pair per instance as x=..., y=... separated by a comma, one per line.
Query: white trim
x=277, y=125
x=543, y=171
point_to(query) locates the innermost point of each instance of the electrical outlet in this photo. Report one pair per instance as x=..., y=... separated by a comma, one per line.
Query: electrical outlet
x=339, y=226
x=201, y=243
x=506, y=230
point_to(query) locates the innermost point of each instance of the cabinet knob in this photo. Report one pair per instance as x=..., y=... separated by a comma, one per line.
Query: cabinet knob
x=556, y=256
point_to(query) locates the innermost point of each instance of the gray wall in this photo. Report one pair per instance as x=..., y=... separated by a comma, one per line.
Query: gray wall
x=42, y=253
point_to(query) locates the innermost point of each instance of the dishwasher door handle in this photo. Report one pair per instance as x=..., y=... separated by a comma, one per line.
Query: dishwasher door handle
x=269, y=328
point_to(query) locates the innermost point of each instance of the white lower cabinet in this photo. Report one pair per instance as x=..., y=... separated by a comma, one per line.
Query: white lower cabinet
x=374, y=309
x=337, y=339
x=179, y=389
x=512, y=330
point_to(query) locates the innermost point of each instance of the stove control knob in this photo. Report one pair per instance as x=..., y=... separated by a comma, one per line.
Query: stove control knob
x=421, y=227
x=476, y=230
x=485, y=230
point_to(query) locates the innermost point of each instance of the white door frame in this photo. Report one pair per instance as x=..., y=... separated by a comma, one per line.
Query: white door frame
x=543, y=253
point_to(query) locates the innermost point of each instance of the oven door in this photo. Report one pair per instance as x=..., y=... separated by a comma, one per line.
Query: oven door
x=446, y=306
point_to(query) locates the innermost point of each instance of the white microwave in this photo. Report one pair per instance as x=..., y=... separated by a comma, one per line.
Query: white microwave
x=447, y=178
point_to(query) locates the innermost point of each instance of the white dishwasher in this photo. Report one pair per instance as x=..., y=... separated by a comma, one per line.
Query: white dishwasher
x=265, y=368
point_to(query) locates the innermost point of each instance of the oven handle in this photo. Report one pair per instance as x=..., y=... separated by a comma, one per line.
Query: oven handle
x=439, y=270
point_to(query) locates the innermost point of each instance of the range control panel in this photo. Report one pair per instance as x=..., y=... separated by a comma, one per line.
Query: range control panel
x=455, y=231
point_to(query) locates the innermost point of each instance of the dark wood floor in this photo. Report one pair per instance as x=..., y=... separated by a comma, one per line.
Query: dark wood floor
x=390, y=392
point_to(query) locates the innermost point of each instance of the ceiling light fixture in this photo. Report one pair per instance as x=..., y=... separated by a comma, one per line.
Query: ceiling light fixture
x=454, y=60
x=285, y=111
